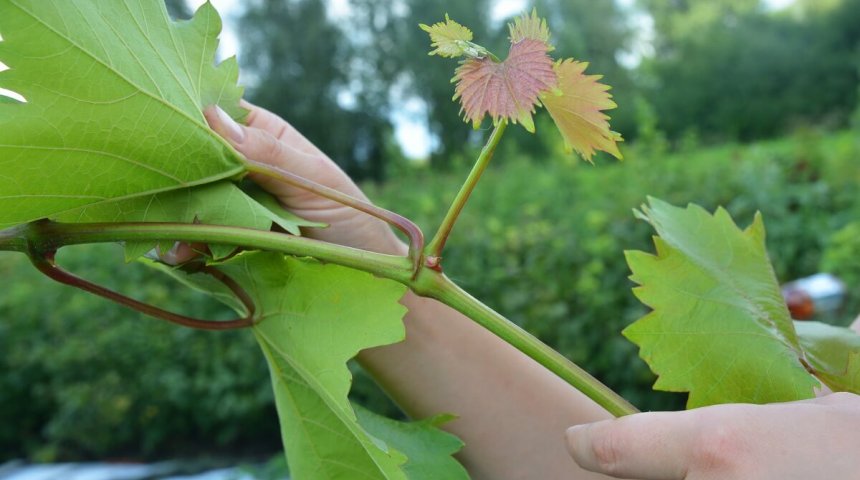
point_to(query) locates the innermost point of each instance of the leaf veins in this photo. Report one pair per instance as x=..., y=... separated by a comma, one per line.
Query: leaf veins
x=506, y=90
x=529, y=27
x=450, y=39
x=577, y=109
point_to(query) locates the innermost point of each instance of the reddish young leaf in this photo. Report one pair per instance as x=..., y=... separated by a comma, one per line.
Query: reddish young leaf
x=577, y=109
x=506, y=90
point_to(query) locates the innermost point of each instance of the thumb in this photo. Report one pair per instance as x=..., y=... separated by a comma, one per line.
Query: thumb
x=655, y=445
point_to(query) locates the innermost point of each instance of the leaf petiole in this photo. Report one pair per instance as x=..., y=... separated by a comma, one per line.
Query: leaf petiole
x=45, y=263
x=433, y=251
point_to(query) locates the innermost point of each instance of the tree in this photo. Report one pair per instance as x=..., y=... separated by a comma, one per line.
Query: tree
x=394, y=53
x=731, y=70
x=599, y=32
x=299, y=65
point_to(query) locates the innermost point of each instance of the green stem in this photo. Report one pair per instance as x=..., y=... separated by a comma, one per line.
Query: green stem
x=434, y=248
x=49, y=236
x=436, y=285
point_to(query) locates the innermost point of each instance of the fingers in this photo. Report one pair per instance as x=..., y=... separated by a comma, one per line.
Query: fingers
x=262, y=145
x=279, y=128
x=644, y=446
x=181, y=253
x=726, y=442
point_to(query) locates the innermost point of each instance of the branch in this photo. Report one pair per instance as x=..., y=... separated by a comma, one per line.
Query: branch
x=434, y=284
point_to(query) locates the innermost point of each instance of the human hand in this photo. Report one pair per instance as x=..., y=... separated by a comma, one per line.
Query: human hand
x=808, y=439
x=269, y=139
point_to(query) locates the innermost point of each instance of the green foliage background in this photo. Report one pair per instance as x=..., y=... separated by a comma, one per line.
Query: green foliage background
x=541, y=242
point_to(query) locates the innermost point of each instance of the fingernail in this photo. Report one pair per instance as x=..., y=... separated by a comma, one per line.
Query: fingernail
x=170, y=256
x=233, y=130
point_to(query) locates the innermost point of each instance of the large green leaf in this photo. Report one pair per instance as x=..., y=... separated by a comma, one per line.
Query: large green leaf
x=719, y=328
x=312, y=319
x=315, y=318
x=114, y=94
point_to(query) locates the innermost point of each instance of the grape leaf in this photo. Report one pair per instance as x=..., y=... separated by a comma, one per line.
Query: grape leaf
x=719, y=328
x=834, y=354
x=429, y=449
x=450, y=39
x=577, y=107
x=220, y=203
x=97, y=75
x=529, y=27
x=508, y=89
x=312, y=319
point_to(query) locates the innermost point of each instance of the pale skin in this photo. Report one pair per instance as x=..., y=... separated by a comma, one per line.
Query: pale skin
x=514, y=415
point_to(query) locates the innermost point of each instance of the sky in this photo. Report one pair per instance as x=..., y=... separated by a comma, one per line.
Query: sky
x=409, y=121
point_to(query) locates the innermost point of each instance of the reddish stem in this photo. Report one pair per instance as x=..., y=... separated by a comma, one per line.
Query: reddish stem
x=45, y=263
x=408, y=227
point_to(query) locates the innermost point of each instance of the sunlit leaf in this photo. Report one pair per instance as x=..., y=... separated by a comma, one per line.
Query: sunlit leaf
x=505, y=90
x=719, y=328
x=450, y=39
x=114, y=95
x=577, y=109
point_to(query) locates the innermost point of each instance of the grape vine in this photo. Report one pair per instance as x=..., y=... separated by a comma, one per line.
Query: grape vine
x=147, y=75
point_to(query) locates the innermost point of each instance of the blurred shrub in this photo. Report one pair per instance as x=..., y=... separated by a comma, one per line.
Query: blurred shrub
x=82, y=377
x=842, y=258
x=542, y=242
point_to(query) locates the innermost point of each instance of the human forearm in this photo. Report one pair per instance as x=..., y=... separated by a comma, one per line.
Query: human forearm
x=512, y=411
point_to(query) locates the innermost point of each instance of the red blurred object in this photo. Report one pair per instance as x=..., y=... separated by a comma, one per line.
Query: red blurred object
x=799, y=303
x=807, y=297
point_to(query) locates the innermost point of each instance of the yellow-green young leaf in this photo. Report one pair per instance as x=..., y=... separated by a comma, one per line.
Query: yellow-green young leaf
x=450, y=39
x=529, y=27
x=505, y=90
x=719, y=328
x=114, y=94
x=577, y=109
x=833, y=353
